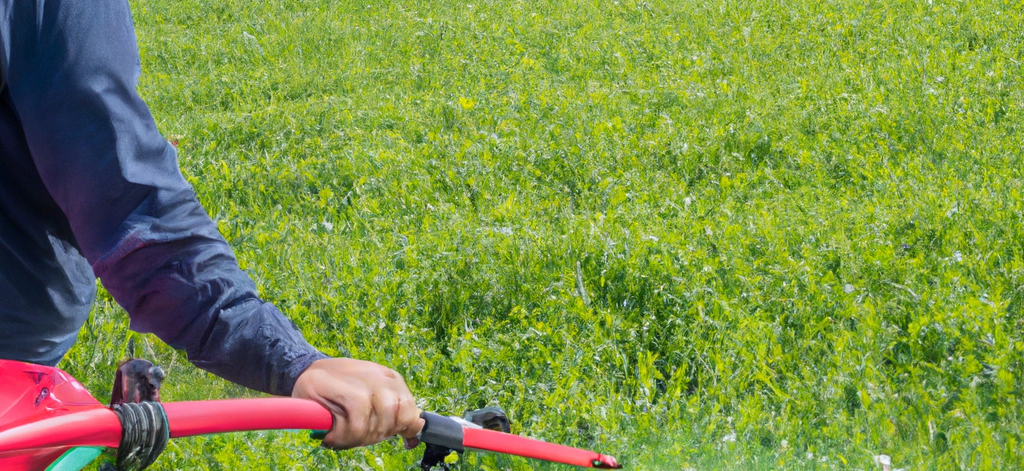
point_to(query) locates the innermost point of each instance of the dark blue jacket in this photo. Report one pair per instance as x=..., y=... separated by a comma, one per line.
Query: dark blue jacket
x=89, y=188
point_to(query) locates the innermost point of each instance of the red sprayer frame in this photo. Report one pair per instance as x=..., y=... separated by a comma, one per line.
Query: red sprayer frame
x=44, y=412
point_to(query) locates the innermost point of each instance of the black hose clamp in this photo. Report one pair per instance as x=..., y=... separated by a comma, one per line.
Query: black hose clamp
x=144, y=435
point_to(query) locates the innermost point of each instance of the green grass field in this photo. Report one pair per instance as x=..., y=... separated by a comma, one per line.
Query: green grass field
x=712, y=235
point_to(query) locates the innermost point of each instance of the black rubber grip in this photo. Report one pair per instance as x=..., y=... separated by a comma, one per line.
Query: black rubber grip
x=442, y=431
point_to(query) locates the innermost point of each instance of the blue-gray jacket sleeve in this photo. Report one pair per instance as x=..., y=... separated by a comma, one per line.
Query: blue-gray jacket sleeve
x=72, y=67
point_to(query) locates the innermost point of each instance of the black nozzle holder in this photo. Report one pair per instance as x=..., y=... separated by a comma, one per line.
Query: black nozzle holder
x=442, y=431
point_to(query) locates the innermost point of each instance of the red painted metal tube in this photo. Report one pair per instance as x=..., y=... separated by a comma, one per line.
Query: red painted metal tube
x=487, y=440
x=239, y=415
x=101, y=427
x=96, y=427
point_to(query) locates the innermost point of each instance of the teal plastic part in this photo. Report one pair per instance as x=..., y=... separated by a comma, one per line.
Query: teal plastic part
x=76, y=458
x=317, y=434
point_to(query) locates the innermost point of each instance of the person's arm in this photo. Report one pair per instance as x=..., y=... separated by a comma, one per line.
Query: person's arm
x=71, y=68
x=72, y=73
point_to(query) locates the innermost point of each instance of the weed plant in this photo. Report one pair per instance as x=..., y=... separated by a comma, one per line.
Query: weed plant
x=722, y=234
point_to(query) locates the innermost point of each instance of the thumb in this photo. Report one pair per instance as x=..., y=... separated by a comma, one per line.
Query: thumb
x=410, y=433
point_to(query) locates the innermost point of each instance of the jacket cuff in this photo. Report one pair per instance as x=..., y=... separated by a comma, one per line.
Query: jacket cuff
x=294, y=370
x=256, y=346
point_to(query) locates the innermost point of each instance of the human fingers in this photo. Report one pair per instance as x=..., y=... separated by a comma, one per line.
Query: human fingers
x=409, y=422
x=405, y=417
x=355, y=422
x=386, y=405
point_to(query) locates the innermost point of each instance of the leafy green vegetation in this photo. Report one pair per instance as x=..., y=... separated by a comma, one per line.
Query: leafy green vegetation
x=713, y=235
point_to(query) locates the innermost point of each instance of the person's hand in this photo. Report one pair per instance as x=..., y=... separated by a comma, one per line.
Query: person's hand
x=370, y=402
